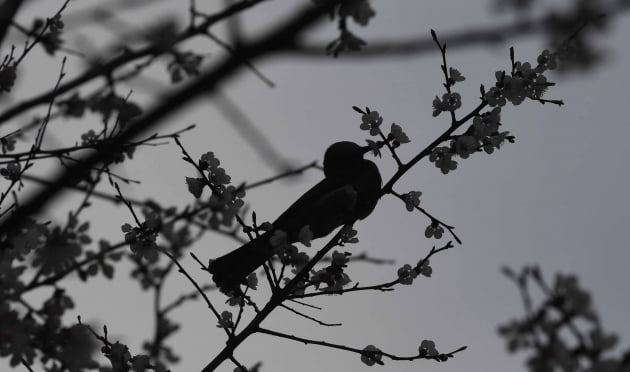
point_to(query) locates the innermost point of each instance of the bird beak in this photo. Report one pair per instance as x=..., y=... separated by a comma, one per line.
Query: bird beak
x=365, y=150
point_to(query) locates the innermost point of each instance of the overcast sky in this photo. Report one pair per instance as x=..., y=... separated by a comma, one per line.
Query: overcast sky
x=557, y=197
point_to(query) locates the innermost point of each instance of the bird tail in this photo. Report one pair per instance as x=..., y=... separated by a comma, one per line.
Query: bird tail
x=230, y=270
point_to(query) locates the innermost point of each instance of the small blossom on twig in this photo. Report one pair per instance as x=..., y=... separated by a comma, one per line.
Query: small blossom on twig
x=371, y=355
x=427, y=348
x=226, y=320
x=412, y=200
x=371, y=121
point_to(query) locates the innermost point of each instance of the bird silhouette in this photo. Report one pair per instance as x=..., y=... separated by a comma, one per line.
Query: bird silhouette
x=349, y=191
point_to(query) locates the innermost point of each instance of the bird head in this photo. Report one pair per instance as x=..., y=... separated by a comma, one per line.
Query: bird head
x=342, y=157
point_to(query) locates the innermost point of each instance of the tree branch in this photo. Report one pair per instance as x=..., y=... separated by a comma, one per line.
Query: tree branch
x=8, y=11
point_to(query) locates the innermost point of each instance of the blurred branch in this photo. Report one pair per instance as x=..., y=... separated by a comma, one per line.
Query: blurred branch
x=83, y=189
x=288, y=173
x=104, y=12
x=250, y=132
x=471, y=37
x=106, y=69
x=8, y=10
x=423, y=44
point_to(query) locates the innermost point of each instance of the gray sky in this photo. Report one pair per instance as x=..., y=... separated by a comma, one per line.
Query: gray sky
x=556, y=197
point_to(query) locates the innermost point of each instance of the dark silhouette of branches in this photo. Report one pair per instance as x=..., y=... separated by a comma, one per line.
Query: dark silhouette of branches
x=563, y=329
x=105, y=70
x=279, y=38
x=157, y=238
x=547, y=25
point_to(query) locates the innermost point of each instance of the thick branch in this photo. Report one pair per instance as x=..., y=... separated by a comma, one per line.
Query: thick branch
x=471, y=37
x=8, y=10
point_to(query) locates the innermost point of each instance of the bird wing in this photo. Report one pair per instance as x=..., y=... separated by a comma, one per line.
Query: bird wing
x=323, y=208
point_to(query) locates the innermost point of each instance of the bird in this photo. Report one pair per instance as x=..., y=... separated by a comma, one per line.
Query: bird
x=349, y=191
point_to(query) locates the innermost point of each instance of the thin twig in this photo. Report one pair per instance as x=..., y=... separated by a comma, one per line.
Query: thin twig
x=291, y=172
x=310, y=317
x=249, y=65
x=433, y=219
x=383, y=287
x=356, y=350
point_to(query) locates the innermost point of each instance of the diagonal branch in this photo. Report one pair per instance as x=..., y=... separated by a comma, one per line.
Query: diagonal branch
x=103, y=70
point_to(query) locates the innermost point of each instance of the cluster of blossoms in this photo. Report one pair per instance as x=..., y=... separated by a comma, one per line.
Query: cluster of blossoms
x=361, y=12
x=371, y=121
x=434, y=230
x=412, y=200
x=450, y=101
x=51, y=40
x=289, y=254
x=348, y=236
x=53, y=250
x=16, y=248
x=333, y=277
x=63, y=247
x=523, y=82
x=8, y=74
x=225, y=201
x=226, y=320
x=144, y=244
x=7, y=143
x=184, y=63
x=142, y=239
x=12, y=171
x=225, y=206
x=406, y=274
x=485, y=131
x=397, y=136
x=100, y=263
x=15, y=335
x=565, y=332
x=108, y=105
x=482, y=135
x=23, y=337
x=442, y=157
x=571, y=298
x=89, y=138
x=121, y=360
